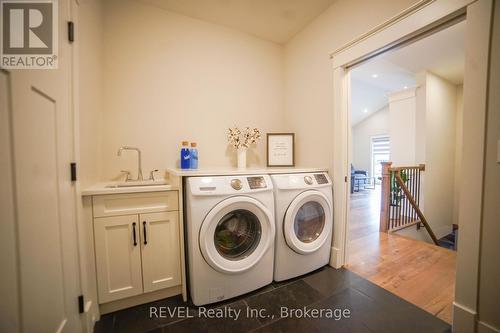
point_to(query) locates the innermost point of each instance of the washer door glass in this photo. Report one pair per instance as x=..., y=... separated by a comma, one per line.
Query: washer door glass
x=309, y=221
x=237, y=234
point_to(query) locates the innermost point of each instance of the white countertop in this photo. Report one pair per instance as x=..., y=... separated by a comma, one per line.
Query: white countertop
x=110, y=187
x=234, y=171
x=107, y=188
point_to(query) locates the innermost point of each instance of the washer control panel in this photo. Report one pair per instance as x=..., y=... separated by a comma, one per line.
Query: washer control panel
x=256, y=182
x=308, y=180
x=236, y=184
x=320, y=178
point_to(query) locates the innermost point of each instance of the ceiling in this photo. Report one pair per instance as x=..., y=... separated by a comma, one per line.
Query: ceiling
x=369, y=94
x=274, y=20
x=442, y=53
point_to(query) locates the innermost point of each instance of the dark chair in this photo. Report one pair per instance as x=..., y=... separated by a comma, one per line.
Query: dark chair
x=358, y=178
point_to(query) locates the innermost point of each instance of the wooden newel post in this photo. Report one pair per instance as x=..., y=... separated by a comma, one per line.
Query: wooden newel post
x=385, y=196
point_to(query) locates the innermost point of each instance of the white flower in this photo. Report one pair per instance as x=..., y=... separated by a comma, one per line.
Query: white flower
x=242, y=139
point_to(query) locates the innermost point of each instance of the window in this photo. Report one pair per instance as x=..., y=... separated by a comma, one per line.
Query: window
x=380, y=153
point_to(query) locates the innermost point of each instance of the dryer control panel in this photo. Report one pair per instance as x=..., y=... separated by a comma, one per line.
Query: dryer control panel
x=256, y=182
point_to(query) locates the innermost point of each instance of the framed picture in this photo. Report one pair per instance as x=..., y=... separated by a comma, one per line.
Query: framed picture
x=280, y=149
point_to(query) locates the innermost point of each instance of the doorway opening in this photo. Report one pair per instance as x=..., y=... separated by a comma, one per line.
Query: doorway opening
x=405, y=159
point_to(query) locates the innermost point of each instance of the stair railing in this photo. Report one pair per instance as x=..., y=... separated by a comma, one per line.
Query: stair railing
x=401, y=188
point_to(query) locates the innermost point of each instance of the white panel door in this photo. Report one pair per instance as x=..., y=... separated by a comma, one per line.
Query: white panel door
x=44, y=198
x=118, y=257
x=161, y=265
x=9, y=306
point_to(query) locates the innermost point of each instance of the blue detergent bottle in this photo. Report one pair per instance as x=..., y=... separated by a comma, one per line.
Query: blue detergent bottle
x=185, y=155
x=194, y=156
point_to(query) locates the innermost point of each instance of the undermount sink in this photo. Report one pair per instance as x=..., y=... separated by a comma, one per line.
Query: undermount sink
x=138, y=183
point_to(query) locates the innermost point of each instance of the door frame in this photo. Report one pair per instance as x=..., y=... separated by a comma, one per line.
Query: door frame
x=423, y=18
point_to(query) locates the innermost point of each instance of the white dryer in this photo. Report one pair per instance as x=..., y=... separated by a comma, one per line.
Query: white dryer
x=230, y=235
x=304, y=223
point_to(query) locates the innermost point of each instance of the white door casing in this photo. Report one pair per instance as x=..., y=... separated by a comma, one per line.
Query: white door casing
x=422, y=18
x=161, y=266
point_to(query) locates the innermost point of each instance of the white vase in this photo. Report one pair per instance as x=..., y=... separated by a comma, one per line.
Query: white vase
x=242, y=158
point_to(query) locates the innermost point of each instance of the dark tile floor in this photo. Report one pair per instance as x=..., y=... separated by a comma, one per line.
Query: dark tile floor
x=326, y=291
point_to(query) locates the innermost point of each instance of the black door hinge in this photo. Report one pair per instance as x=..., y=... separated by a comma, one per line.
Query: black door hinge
x=73, y=171
x=81, y=307
x=71, y=31
x=345, y=179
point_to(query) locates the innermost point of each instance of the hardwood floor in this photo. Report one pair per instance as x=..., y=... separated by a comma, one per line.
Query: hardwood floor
x=421, y=273
x=364, y=213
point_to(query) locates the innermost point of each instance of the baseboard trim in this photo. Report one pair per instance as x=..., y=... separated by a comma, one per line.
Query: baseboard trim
x=139, y=299
x=464, y=319
x=335, y=258
x=482, y=327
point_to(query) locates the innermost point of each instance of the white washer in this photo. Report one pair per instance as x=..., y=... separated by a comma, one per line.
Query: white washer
x=304, y=220
x=230, y=235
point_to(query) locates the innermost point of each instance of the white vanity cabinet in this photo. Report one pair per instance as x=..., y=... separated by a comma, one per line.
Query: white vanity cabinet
x=118, y=257
x=137, y=243
x=160, y=250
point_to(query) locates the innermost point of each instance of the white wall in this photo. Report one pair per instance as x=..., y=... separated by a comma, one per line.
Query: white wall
x=420, y=122
x=182, y=72
x=90, y=89
x=435, y=144
x=440, y=147
x=170, y=78
x=309, y=74
x=376, y=124
x=458, y=152
x=402, y=127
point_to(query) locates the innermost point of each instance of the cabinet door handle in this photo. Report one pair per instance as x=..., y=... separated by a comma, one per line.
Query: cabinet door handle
x=133, y=233
x=144, y=230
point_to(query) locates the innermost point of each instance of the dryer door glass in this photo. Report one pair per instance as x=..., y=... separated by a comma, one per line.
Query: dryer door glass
x=237, y=234
x=309, y=221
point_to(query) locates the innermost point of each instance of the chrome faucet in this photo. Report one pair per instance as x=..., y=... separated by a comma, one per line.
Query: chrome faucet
x=139, y=161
